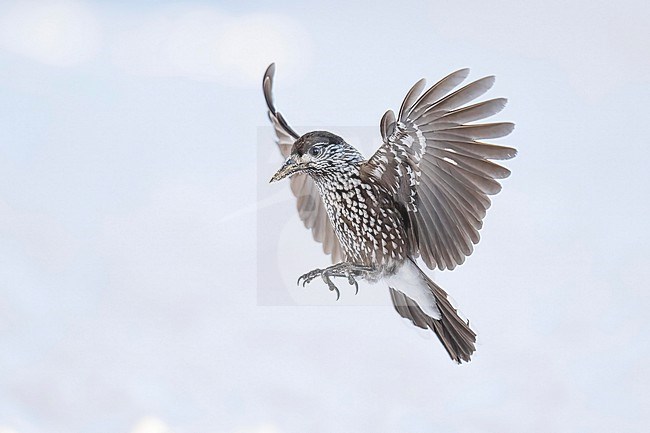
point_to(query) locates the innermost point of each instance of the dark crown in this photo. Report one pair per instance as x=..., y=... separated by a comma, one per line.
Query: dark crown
x=304, y=143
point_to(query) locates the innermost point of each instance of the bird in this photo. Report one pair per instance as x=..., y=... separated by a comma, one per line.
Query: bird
x=422, y=196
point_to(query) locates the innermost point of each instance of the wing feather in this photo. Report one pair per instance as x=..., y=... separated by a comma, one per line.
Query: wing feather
x=478, y=150
x=461, y=96
x=308, y=201
x=411, y=98
x=450, y=235
x=440, y=89
x=472, y=132
x=387, y=124
x=474, y=112
x=452, y=170
x=475, y=202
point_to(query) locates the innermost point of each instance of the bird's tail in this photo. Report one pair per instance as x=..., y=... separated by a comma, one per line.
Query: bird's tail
x=453, y=332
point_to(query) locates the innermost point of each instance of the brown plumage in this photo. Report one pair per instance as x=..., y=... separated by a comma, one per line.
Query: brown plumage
x=424, y=193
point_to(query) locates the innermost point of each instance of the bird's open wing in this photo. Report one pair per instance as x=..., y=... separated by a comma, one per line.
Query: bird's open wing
x=310, y=205
x=433, y=162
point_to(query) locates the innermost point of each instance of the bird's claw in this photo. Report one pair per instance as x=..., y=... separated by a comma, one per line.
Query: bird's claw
x=353, y=282
x=340, y=270
x=332, y=286
x=309, y=276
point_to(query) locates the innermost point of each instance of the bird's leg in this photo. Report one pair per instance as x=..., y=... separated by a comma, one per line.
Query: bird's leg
x=350, y=271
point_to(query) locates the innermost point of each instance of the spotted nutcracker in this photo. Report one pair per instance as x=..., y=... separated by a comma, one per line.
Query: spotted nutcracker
x=424, y=193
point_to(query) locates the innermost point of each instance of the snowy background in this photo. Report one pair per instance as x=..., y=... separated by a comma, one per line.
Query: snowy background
x=131, y=288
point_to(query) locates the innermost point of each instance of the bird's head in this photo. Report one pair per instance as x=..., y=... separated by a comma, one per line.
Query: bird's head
x=317, y=153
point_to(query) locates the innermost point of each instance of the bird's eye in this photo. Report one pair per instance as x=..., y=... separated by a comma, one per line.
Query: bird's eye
x=314, y=151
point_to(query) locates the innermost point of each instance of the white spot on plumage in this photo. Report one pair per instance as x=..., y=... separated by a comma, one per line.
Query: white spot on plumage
x=364, y=222
x=449, y=160
x=408, y=279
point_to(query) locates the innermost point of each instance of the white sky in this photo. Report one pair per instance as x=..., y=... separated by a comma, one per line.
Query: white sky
x=133, y=260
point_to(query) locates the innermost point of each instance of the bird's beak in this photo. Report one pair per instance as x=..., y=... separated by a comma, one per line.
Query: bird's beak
x=288, y=168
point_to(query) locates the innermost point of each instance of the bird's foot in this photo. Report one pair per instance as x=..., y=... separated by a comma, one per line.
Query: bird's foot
x=331, y=285
x=346, y=270
x=309, y=276
x=353, y=282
